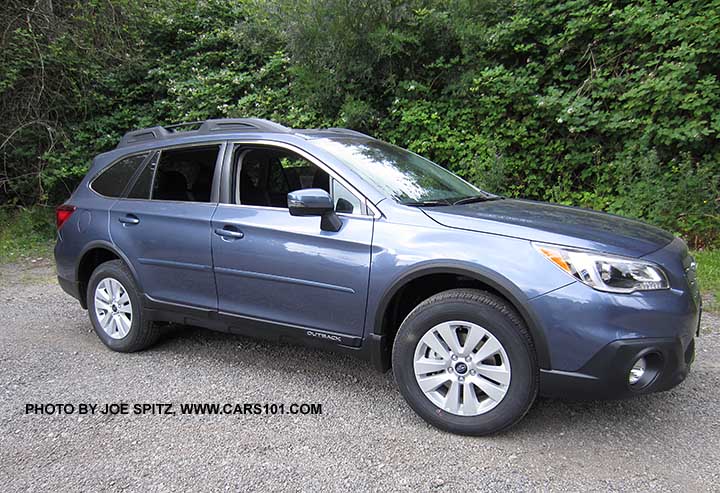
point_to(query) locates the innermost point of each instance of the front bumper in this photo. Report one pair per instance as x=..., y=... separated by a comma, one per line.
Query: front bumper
x=605, y=376
x=595, y=337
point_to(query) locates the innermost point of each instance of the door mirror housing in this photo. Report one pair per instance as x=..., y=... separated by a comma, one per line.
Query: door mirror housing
x=310, y=202
x=314, y=202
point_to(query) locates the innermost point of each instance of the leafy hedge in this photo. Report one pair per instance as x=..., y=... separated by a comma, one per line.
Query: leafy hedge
x=612, y=105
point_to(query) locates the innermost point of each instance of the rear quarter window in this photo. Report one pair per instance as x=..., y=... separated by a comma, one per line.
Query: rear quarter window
x=112, y=180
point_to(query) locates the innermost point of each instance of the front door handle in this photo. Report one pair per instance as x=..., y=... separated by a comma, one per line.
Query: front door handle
x=129, y=219
x=228, y=233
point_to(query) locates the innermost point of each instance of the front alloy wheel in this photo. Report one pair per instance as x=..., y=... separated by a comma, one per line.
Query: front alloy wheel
x=465, y=362
x=462, y=368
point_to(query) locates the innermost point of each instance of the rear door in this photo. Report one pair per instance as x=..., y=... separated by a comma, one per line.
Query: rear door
x=163, y=225
x=273, y=267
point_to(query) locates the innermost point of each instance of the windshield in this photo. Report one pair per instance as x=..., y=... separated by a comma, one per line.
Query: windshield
x=404, y=176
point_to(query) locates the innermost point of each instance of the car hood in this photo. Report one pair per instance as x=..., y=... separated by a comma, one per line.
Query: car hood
x=557, y=224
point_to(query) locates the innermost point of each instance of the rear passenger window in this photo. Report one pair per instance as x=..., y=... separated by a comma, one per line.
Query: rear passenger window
x=113, y=180
x=143, y=183
x=184, y=175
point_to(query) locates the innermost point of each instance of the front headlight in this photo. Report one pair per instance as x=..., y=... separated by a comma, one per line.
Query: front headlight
x=606, y=272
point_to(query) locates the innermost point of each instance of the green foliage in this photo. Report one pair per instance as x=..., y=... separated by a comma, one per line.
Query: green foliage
x=26, y=232
x=612, y=105
x=709, y=277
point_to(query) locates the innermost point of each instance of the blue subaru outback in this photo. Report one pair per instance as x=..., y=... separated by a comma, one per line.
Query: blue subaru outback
x=333, y=238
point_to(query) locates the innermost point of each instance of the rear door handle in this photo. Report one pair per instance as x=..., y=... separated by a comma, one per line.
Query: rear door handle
x=228, y=233
x=129, y=219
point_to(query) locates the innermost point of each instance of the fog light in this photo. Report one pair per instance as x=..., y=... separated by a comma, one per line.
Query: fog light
x=637, y=371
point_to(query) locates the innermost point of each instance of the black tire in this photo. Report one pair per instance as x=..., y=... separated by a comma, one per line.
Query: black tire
x=142, y=333
x=496, y=316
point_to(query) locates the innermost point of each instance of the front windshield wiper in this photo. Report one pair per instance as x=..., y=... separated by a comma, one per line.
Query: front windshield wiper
x=428, y=203
x=477, y=198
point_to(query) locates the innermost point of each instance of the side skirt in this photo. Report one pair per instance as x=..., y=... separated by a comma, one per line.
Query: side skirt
x=162, y=311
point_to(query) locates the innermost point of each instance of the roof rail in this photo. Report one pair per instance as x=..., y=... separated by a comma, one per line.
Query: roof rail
x=143, y=135
x=204, y=127
x=240, y=124
x=184, y=124
x=348, y=131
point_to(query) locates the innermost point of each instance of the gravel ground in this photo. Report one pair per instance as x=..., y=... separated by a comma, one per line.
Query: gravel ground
x=367, y=438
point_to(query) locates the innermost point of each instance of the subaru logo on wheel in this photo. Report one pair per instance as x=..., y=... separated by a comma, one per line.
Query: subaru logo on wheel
x=461, y=368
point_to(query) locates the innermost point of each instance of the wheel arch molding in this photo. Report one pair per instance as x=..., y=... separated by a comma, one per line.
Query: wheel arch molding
x=490, y=279
x=108, y=246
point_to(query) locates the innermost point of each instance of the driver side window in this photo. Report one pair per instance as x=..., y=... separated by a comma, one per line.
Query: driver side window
x=264, y=176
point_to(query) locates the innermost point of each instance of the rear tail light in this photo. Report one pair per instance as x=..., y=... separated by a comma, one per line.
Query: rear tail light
x=63, y=213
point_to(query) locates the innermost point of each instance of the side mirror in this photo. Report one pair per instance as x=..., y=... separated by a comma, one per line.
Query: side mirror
x=314, y=202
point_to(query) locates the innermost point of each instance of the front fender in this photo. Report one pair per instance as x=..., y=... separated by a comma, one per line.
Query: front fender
x=491, y=279
x=510, y=266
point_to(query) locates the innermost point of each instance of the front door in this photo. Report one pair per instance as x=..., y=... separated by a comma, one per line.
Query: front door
x=270, y=266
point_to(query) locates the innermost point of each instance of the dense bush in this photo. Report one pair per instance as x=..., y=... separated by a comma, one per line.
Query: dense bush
x=612, y=105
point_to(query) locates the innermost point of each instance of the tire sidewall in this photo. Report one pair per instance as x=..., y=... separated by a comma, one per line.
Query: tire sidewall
x=523, y=383
x=115, y=270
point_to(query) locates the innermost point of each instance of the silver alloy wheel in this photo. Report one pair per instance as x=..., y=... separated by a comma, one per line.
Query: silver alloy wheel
x=462, y=368
x=113, y=308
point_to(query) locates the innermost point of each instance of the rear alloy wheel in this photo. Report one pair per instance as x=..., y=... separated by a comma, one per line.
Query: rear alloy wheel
x=465, y=362
x=115, y=309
